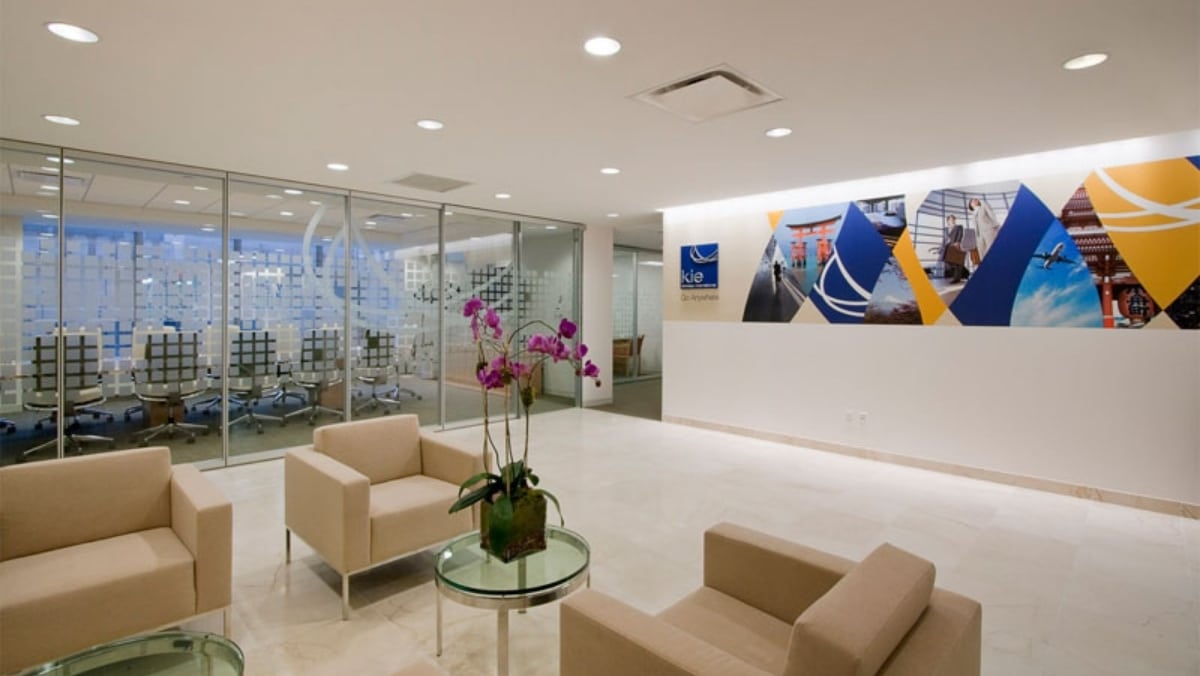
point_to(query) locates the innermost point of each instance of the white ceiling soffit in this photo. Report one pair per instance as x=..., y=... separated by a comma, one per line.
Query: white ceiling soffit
x=714, y=92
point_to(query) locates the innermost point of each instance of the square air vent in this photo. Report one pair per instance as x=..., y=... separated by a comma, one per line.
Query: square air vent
x=431, y=183
x=712, y=93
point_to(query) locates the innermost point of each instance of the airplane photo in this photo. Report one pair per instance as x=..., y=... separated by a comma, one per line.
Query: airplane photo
x=1054, y=256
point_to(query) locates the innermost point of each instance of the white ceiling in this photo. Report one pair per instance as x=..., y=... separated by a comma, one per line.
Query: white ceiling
x=279, y=88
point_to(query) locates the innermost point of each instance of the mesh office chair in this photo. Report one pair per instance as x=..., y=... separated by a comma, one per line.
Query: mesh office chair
x=169, y=376
x=374, y=368
x=138, y=355
x=82, y=389
x=320, y=354
x=252, y=374
x=288, y=350
x=212, y=356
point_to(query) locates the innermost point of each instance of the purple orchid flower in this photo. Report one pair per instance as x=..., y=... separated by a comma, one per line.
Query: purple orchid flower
x=567, y=328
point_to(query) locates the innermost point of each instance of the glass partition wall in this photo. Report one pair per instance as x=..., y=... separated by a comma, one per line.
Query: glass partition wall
x=637, y=314
x=226, y=316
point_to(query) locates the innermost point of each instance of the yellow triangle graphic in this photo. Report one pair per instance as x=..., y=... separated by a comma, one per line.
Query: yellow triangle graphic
x=1162, y=321
x=774, y=217
x=809, y=314
x=928, y=300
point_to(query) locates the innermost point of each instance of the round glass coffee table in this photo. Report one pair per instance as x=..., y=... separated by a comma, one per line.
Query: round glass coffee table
x=173, y=653
x=465, y=573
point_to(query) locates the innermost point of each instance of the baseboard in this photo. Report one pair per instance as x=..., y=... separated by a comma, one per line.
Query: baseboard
x=1161, y=505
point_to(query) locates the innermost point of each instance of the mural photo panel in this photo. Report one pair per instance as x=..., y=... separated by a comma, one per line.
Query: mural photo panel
x=1057, y=288
x=1151, y=212
x=1185, y=311
x=829, y=255
x=954, y=230
x=796, y=254
x=1123, y=252
x=1124, y=302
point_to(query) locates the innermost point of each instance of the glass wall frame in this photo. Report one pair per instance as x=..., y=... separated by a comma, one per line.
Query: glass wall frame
x=637, y=314
x=194, y=239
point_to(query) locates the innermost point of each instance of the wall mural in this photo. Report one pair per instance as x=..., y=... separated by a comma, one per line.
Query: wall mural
x=1123, y=252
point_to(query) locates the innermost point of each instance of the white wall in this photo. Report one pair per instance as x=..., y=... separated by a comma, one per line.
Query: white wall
x=1106, y=409
x=597, y=310
x=1111, y=409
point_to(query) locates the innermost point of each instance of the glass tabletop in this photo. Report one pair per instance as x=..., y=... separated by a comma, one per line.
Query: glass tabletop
x=169, y=653
x=464, y=565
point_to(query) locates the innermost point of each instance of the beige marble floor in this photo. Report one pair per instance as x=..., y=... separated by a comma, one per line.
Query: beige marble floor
x=1068, y=586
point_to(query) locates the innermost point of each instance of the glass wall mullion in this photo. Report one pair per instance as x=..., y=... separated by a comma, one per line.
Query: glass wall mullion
x=60, y=334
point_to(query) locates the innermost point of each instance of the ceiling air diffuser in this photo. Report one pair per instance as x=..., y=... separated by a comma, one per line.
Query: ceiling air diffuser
x=712, y=93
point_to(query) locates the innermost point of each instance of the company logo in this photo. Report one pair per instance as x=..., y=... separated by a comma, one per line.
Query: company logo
x=698, y=266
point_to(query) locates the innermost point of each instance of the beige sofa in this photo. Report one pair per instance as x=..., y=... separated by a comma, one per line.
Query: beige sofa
x=99, y=547
x=371, y=491
x=769, y=606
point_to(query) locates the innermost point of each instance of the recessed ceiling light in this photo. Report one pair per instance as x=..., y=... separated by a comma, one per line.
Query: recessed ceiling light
x=778, y=132
x=61, y=119
x=182, y=203
x=602, y=46
x=207, y=228
x=430, y=125
x=1085, y=61
x=502, y=195
x=315, y=203
x=326, y=239
x=337, y=166
x=49, y=215
x=52, y=158
x=273, y=196
x=449, y=213
x=50, y=170
x=552, y=227
x=293, y=191
x=613, y=215
x=49, y=187
x=200, y=187
x=610, y=171
x=371, y=223
x=286, y=213
x=406, y=215
x=237, y=213
x=72, y=32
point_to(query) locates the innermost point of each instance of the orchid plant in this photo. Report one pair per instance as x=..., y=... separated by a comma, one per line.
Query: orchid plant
x=505, y=362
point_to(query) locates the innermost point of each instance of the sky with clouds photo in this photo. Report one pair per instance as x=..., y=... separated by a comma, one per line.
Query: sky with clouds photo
x=1061, y=295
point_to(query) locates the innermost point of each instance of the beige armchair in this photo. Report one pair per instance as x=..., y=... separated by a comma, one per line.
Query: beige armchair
x=99, y=547
x=769, y=606
x=371, y=491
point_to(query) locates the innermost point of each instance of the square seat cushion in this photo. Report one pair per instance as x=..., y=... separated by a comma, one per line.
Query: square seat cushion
x=741, y=630
x=407, y=514
x=91, y=593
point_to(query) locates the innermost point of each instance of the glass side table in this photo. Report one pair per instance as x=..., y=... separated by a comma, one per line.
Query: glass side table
x=465, y=573
x=169, y=653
